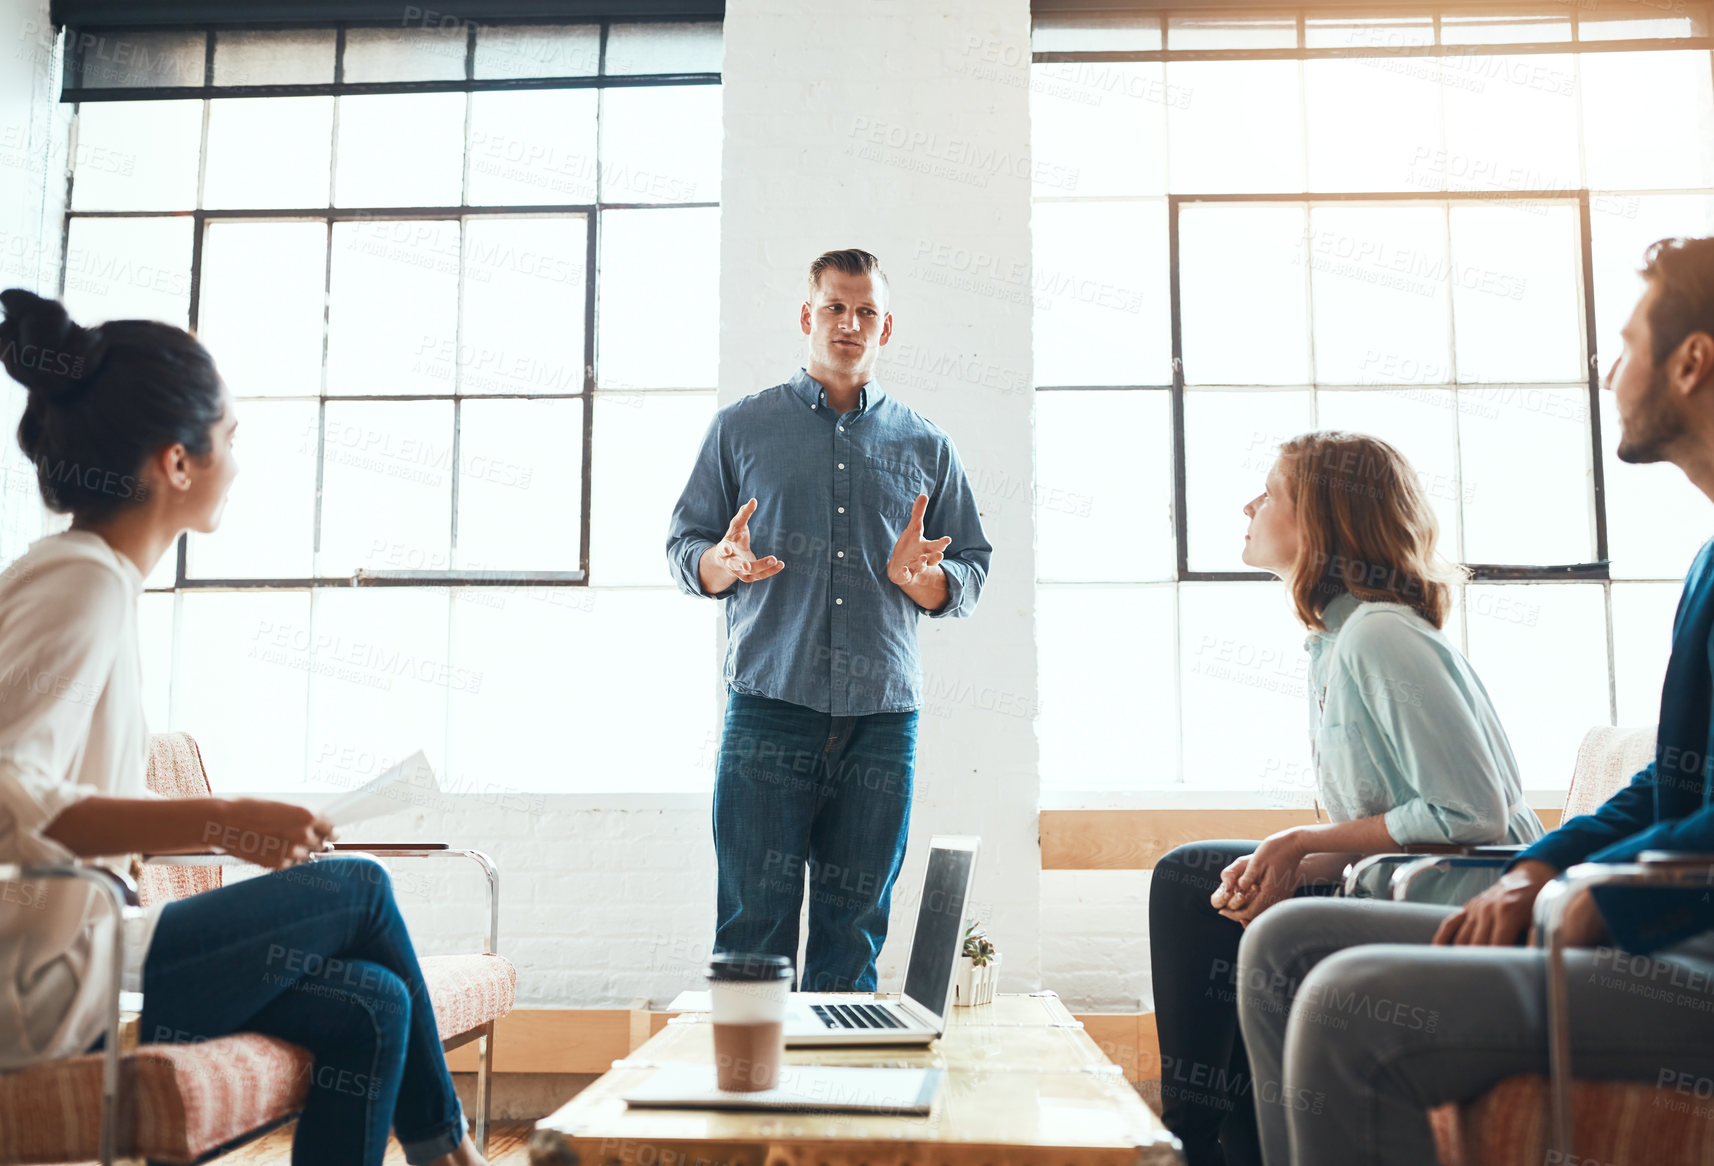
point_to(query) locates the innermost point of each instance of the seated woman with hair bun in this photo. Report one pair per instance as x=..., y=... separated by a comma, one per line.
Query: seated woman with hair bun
x=1407, y=748
x=130, y=430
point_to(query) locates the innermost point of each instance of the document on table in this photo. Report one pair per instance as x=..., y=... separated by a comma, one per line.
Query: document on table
x=398, y=789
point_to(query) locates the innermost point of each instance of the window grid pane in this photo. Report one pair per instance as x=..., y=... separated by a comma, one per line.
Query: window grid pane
x=490, y=304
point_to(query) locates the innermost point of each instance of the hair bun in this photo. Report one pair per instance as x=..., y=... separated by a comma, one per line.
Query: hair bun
x=42, y=349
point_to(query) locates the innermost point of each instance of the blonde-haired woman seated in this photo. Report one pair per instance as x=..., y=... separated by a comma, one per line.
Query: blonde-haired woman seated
x=1407, y=749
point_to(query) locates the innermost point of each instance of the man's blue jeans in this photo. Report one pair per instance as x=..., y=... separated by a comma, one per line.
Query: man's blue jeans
x=316, y=955
x=799, y=791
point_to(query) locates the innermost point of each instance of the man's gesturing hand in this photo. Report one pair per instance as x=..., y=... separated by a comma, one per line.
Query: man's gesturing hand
x=913, y=554
x=732, y=553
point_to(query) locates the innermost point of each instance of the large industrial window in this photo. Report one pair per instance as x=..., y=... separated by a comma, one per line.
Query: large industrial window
x=431, y=262
x=1423, y=226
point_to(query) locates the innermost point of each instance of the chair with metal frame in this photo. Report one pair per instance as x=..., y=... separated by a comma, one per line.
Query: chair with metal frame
x=1376, y=871
x=1607, y=758
x=103, y=1071
x=190, y=1102
x=1529, y=1119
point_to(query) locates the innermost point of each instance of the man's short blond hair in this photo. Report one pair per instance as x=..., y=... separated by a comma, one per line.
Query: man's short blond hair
x=850, y=261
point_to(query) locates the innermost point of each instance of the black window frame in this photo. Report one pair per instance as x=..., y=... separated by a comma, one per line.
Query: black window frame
x=1597, y=570
x=74, y=93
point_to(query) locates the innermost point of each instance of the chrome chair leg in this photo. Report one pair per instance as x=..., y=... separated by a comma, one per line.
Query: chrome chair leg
x=484, y=1085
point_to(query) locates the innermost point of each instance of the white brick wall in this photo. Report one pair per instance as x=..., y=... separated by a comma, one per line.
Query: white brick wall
x=34, y=130
x=1094, y=938
x=809, y=90
x=599, y=907
x=33, y=134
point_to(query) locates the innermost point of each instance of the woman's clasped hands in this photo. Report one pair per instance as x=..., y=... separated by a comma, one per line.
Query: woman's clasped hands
x=1254, y=882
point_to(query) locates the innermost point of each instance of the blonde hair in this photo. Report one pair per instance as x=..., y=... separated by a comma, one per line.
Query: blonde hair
x=851, y=261
x=1364, y=527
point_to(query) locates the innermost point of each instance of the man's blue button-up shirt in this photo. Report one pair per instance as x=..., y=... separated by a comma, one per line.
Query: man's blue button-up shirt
x=833, y=492
x=1669, y=804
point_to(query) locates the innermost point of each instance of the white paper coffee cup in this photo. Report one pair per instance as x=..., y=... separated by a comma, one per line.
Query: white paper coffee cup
x=748, y=989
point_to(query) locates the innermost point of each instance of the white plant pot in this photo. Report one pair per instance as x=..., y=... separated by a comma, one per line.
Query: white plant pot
x=975, y=985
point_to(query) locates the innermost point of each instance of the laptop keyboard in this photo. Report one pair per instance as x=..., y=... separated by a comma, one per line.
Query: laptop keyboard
x=856, y=1016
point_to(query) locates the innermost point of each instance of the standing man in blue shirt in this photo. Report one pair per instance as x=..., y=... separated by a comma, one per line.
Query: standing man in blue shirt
x=806, y=514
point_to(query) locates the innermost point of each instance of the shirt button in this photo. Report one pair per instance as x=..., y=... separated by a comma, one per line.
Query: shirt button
x=839, y=601
x=842, y=465
x=842, y=554
x=842, y=510
x=842, y=429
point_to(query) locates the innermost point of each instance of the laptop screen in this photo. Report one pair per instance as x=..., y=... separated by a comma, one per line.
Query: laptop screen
x=940, y=923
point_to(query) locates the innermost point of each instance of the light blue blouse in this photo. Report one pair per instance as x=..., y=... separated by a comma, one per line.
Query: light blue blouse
x=1403, y=727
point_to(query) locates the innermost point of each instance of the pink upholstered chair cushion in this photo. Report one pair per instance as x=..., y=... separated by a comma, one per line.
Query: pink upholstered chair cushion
x=175, y=771
x=1618, y=1123
x=175, y=766
x=192, y=1098
x=189, y=1099
x=1606, y=761
x=1445, y=1121
x=468, y=991
x=185, y=1100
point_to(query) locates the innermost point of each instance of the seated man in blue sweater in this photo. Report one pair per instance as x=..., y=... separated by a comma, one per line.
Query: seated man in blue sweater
x=1349, y=1047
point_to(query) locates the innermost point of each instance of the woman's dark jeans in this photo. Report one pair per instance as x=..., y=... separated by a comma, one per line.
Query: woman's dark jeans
x=316, y=955
x=1206, y=1094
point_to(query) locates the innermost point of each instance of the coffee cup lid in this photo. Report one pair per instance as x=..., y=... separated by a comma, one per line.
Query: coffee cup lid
x=749, y=967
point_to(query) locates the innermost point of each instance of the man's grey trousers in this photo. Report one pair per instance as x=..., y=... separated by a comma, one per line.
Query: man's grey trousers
x=1350, y=1046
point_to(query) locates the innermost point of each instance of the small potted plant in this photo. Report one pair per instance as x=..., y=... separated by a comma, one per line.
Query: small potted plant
x=978, y=969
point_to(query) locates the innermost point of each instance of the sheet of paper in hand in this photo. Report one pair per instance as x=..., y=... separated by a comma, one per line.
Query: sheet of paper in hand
x=400, y=788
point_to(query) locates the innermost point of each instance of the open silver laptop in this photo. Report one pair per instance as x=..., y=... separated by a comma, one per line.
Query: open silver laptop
x=815, y=1018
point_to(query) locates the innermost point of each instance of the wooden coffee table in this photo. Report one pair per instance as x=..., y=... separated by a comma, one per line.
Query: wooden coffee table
x=1024, y=1086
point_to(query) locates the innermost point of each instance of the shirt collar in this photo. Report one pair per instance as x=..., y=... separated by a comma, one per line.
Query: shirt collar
x=813, y=393
x=108, y=551
x=1338, y=611
x=1334, y=616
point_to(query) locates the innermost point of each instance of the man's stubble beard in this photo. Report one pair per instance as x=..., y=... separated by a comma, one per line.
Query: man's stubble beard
x=837, y=357
x=1645, y=440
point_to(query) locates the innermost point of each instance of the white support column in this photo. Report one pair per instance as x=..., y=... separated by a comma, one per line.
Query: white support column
x=883, y=125
x=34, y=130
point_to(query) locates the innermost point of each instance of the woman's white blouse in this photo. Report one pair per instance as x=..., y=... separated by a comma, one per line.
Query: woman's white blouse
x=71, y=725
x=1403, y=727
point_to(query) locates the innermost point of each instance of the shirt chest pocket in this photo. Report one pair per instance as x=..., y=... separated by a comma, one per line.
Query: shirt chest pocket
x=891, y=489
x=1348, y=777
